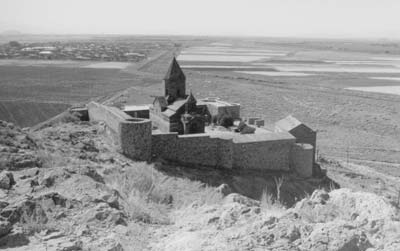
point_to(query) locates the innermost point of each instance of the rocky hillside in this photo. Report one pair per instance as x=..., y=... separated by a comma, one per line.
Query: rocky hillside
x=65, y=187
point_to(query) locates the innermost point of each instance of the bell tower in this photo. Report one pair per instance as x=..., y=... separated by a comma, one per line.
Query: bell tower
x=174, y=82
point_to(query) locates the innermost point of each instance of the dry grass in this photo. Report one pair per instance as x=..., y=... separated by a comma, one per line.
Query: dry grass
x=55, y=159
x=271, y=206
x=148, y=195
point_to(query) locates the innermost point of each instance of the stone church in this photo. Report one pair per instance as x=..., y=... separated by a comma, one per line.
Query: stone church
x=177, y=111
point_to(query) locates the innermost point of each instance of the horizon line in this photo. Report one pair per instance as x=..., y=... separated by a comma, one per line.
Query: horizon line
x=332, y=37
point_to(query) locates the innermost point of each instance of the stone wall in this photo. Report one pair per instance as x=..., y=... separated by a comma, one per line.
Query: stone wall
x=306, y=137
x=218, y=110
x=225, y=153
x=198, y=149
x=201, y=149
x=269, y=155
x=163, y=145
x=133, y=135
x=112, y=116
x=139, y=142
x=233, y=111
x=301, y=159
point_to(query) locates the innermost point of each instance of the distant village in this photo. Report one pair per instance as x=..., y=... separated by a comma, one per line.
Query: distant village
x=90, y=51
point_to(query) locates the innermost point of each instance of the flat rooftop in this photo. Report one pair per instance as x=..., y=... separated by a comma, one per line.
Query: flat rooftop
x=136, y=107
x=215, y=102
x=260, y=134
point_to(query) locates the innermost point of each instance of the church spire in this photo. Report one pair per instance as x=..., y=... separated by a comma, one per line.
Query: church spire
x=191, y=99
x=174, y=82
x=174, y=71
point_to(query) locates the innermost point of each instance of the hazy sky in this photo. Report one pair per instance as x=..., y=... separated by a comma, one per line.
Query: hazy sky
x=315, y=18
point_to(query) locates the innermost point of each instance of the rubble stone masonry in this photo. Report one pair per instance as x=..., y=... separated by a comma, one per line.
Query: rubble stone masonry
x=139, y=142
x=133, y=134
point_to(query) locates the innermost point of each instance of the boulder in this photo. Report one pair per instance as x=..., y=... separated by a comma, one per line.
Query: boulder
x=5, y=227
x=237, y=198
x=6, y=180
x=50, y=177
x=105, y=215
x=224, y=189
x=28, y=207
x=320, y=197
x=91, y=172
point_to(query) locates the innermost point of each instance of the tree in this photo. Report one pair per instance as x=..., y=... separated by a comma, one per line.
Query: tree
x=226, y=121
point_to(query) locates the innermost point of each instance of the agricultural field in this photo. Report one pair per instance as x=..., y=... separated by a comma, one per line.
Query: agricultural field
x=32, y=94
x=32, y=91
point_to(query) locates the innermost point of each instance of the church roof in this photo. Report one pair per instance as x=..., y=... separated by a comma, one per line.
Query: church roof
x=169, y=113
x=289, y=123
x=174, y=71
x=161, y=100
x=177, y=104
x=190, y=98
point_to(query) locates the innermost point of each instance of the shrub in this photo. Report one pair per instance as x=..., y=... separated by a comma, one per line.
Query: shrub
x=214, y=119
x=271, y=206
x=226, y=121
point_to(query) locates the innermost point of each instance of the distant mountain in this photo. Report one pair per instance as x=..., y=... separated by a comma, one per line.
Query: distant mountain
x=11, y=32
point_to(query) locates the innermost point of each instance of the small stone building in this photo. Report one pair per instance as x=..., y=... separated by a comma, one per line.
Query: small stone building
x=217, y=107
x=300, y=131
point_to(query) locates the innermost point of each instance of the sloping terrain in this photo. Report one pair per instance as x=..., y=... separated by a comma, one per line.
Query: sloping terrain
x=25, y=113
x=66, y=187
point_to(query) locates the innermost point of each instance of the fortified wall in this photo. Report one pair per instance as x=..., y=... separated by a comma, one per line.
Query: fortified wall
x=133, y=135
x=276, y=151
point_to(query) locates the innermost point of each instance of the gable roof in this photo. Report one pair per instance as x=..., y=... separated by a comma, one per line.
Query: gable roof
x=289, y=123
x=177, y=104
x=174, y=71
x=173, y=108
x=161, y=99
x=169, y=113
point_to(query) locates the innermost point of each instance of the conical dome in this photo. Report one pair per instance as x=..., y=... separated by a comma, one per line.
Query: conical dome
x=174, y=71
x=191, y=99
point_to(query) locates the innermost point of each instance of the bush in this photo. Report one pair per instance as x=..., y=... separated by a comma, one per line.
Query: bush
x=226, y=121
x=271, y=206
x=214, y=119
